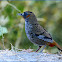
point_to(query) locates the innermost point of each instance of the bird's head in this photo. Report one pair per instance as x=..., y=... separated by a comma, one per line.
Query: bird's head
x=26, y=14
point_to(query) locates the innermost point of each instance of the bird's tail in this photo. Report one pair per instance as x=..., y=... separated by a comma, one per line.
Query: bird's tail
x=58, y=46
x=55, y=44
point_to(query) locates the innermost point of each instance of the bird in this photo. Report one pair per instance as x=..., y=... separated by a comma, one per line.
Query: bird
x=36, y=33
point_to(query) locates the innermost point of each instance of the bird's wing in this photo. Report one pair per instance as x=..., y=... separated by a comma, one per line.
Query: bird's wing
x=44, y=38
x=44, y=35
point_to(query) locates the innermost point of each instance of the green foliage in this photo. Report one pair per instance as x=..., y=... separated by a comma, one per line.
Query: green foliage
x=3, y=30
x=49, y=12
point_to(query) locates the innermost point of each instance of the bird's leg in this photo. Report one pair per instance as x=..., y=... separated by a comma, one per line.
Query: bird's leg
x=43, y=48
x=38, y=48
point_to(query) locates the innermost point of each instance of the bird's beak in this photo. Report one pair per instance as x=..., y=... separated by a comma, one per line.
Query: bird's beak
x=24, y=15
x=21, y=14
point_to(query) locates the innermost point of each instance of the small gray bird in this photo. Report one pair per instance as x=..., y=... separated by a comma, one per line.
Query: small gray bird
x=36, y=33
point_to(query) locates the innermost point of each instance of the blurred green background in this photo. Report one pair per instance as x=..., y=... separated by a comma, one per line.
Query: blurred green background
x=48, y=13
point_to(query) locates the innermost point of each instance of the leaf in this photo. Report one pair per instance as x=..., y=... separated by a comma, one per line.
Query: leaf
x=3, y=30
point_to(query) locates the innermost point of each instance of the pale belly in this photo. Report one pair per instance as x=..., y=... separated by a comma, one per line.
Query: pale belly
x=34, y=39
x=31, y=36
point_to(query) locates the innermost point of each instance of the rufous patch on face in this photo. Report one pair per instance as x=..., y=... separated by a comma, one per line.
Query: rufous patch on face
x=27, y=16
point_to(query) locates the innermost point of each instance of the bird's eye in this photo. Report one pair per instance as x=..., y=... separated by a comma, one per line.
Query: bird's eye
x=30, y=12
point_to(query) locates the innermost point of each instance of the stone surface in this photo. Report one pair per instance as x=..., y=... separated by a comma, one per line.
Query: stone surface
x=11, y=56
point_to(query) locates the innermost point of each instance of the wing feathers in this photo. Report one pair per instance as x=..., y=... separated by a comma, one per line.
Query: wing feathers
x=44, y=38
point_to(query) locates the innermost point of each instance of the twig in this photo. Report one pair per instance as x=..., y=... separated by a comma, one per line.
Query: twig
x=14, y=7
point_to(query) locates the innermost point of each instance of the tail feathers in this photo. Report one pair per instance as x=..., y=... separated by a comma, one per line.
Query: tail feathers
x=55, y=44
x=58, y=46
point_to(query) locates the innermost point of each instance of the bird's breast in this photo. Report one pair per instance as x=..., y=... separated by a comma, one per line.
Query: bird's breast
x=30, y=32
x=28, y=28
